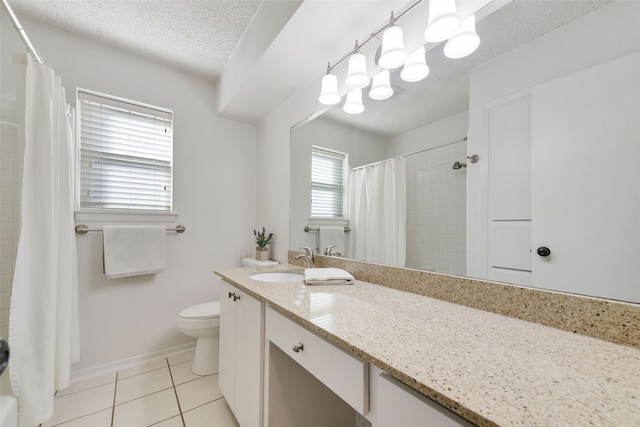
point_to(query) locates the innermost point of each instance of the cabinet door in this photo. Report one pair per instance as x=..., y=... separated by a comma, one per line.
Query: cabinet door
x=227, y=358
x=249, y=345
x=398, y=405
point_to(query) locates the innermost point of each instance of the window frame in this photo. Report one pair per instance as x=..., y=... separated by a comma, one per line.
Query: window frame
x=109, y=214
x=345, y=168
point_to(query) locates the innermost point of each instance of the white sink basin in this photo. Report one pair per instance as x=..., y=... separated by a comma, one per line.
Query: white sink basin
x=278, y=277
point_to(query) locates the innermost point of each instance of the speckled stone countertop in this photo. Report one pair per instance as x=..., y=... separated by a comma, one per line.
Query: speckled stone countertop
x=491, y=369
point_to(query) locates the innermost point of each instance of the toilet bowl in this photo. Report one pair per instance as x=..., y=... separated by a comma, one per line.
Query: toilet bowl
x=202, y=321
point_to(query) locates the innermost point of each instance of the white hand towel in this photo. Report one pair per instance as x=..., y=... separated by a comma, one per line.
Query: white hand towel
x=331, y=236
x=327, y=276
x=133, y=250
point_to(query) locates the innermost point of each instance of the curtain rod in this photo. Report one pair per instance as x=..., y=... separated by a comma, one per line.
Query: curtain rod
x=21, y=32
x=411, y=154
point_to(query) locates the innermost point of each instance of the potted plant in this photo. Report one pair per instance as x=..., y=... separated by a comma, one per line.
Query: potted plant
x=262, y=240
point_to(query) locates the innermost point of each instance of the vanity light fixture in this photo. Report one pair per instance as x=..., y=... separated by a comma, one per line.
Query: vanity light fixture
x=464, y=40
x=415, y=67
x=393, y=54
x=353, y=104
x=329, y=94
x=443, y=20
x=357, y=77
x=381, y=86
x=444, y=23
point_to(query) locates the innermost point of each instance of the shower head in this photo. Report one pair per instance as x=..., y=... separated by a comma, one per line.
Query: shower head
x=458, y=165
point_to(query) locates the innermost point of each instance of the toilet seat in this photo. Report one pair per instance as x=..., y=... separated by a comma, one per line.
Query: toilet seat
x=208, y=310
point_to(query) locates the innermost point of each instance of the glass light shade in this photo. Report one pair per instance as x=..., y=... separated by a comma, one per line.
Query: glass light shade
x=415, y=67
x=393, y=53
x=357, y=77
x=353, y=104
x=329, y=94
x=381, y=86
x=464, y=41
x=443, y=20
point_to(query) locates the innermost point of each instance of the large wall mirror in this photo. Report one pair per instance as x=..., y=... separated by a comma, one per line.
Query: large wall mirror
x=548, y=104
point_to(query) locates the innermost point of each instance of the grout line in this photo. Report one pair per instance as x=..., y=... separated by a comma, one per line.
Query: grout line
x=113, y=407
x=176, y=393
x=206, y=403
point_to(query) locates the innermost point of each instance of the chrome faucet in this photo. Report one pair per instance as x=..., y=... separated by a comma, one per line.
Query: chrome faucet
x=330, y=252
x=308, y=258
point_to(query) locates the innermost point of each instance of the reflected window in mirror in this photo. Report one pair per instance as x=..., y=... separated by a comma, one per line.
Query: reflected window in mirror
x=328, y=179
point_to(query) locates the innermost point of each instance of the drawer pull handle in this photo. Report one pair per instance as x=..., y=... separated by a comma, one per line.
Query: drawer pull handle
x=231, y=294
x=236, y=297
x=298, y=348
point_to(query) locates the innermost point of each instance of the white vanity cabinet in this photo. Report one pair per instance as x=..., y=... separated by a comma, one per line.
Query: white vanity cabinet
x=241, y=344
x=309, y=381
x=394, y=404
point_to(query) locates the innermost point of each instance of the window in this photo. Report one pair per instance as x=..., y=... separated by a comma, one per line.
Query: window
x=126, y=155
x=327, y=183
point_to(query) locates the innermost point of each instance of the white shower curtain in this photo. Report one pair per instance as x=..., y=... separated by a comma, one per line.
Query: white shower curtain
x=43, y=325
x=377, y=212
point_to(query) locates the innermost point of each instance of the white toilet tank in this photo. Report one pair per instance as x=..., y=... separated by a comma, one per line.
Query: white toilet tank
x=252, y=262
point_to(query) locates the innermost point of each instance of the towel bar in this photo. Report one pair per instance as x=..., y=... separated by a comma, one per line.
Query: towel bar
x=83, y=229
x=308, y=229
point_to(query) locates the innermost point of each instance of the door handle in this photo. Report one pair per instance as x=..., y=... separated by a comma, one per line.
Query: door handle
x=544, y=251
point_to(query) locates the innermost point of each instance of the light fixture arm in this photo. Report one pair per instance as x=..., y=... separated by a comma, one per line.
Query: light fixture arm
x=392, y=21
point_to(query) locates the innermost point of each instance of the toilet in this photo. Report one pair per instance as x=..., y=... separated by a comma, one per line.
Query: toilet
x=252, y=262
x=202, y=321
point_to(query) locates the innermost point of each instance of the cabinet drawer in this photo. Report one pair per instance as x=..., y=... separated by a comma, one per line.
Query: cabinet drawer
x=346, y=375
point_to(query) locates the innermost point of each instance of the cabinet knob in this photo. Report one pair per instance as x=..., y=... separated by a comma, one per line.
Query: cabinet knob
x=544, y=251
x=298, y=348
x=236, y=297
x=231, y=295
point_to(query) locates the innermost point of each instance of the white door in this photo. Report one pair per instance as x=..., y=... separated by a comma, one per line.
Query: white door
x=509, y=189
x=586, y=130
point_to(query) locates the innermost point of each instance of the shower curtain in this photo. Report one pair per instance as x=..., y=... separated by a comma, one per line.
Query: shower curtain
x=43, y=325
x=378, y=212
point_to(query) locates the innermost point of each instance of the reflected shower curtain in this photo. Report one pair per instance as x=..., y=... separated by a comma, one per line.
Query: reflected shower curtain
x=43, y=325
x=378, y=212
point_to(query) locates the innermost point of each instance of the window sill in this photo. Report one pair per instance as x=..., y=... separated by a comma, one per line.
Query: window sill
x=126, y=217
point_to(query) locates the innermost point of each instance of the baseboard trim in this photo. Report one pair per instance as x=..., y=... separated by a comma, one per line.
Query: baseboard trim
x=88, y=373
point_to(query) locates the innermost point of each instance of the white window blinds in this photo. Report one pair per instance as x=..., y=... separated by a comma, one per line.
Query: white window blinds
x=126, y=154
x=327, y=183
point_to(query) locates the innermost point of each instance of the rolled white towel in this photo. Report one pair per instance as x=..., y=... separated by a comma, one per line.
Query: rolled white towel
x=327, y=276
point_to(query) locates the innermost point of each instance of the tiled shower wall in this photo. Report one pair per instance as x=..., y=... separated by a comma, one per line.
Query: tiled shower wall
x=436, y=217
x=9, y=205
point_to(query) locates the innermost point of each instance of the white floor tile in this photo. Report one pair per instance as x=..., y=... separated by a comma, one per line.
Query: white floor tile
x=142, y=385
x=198, y=392
x=181, y=373
x=183, y=356
x=99, y=419
x=212, y=414
x=171, y=422
x=146, y=410
x=142, y=367
x=87, y=384
x=83, y=403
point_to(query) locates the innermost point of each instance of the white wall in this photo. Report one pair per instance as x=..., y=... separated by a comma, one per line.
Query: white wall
x=214, y=176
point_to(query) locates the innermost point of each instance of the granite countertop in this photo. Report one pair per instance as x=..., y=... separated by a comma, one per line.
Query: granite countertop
x=491, y=369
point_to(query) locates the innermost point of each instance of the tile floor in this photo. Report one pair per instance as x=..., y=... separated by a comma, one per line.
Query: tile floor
x=162, y=393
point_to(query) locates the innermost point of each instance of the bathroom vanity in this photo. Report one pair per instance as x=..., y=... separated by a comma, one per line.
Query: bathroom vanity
x=367, y=354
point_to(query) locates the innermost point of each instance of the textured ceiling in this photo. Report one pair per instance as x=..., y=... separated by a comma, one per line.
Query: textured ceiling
x=196, y=36
x=199, y=36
